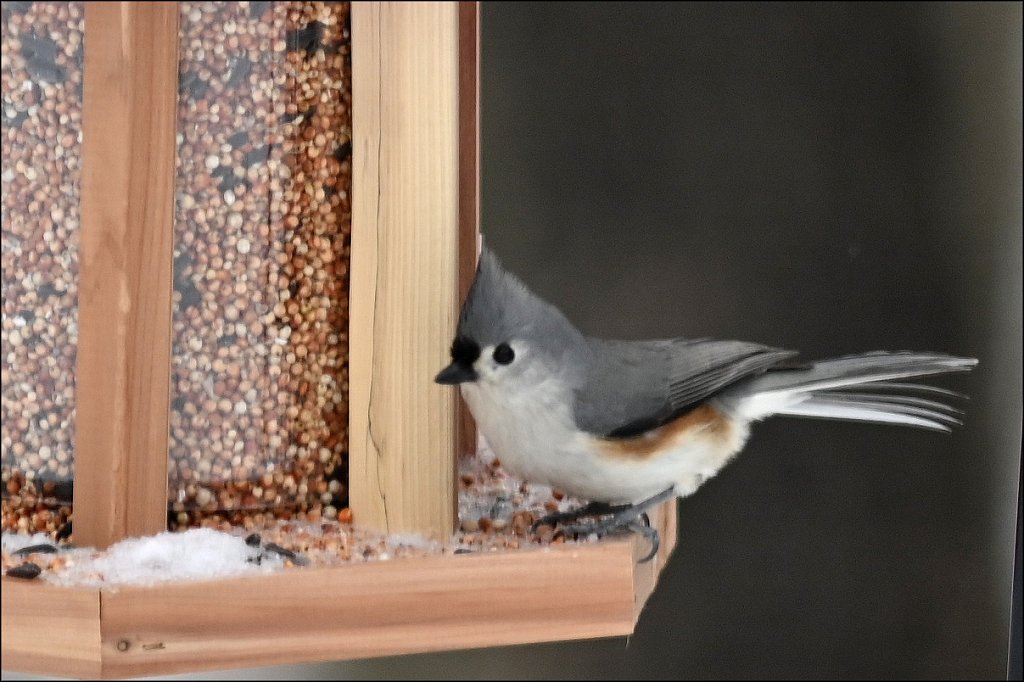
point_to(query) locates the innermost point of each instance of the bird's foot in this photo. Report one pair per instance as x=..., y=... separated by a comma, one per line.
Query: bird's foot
x=630, y=517
x=594, y=509
x=621, y=523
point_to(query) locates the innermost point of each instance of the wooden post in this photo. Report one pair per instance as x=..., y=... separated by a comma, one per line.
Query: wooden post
x=407, y=255
x=128, y=148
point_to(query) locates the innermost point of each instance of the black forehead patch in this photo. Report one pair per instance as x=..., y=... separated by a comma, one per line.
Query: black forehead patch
x=465, y=350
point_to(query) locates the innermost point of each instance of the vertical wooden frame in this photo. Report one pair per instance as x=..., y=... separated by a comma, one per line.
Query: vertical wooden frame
x=416, y=177
x=128, y=151
x=414, y=226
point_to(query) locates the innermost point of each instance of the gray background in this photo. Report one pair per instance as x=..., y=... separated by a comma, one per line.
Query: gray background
x=830, y=178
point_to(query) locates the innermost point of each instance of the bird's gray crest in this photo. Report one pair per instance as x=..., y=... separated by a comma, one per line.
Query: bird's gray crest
x=500, y=308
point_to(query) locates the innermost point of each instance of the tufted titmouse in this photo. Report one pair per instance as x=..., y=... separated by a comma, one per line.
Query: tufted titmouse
x=629, y=424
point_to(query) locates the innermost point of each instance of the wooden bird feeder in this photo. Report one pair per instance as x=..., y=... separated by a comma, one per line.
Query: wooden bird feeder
x=170, y=227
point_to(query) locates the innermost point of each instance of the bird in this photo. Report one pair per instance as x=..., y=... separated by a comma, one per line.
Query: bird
x=628, y=424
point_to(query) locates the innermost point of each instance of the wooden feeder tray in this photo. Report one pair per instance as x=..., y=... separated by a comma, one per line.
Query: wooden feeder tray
x=403, y=606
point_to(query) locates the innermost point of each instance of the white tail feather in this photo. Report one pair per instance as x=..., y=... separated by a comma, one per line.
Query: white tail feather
x=838, y=389
x=854, y=412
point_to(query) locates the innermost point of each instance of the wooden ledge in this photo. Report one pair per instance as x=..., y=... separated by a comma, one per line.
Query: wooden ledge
x=386, y=608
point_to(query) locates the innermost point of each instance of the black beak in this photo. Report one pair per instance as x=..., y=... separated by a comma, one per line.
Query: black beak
x=455, y=373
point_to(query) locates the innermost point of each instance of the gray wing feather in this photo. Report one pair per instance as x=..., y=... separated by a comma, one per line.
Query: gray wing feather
x=699, y=369
x=633, y=386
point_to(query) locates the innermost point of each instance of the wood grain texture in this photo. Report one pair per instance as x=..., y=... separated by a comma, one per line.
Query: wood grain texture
x=370, y=610
x=469, y=179
x=123, y=375
x=359, y=611
x=405, y=265
x=49, y=630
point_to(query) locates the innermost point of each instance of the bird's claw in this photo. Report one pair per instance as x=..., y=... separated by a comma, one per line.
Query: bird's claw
x=641, y=525
x=627, y=517
x=590, y=509
x=619, y=523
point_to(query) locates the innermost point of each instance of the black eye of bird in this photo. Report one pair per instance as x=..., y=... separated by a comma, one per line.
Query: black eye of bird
x=504, y=354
